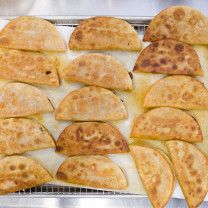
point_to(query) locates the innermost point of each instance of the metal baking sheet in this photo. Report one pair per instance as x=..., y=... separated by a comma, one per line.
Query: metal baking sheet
x=52, y=190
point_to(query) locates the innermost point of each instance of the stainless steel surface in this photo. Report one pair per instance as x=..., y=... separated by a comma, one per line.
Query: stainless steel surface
x=93, y=7
x=89, y=8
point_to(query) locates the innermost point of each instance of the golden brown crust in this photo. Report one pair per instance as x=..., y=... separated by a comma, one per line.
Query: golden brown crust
x=18, y=99
x=167, y=124
x=104, y=33
x=89, y=138
x=169, y=57
x=94, y=171
x=98, y=70
x=31, y=33
x=18, y=172
x=18, y=135
x=178, y=91
x=91, y=104
x=156, y=173
x=191, y=167
x=29, y=67
x=180, y=23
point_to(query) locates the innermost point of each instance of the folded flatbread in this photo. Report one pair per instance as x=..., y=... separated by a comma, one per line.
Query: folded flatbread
x=98, y=70
x=31, y=33
x=169, y=57
x=94, y=171
x=18, y=172
x=177, y=91
x=191, y=167
x=180, y=23
x=17, y=99
x=29, y=67
x=88, y=138
x=91, y=104
x=18, y=135
x=104, y=33
x=167, y=124
x=156, y=173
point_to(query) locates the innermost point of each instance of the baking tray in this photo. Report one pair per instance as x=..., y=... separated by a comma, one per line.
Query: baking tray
x=140, y=23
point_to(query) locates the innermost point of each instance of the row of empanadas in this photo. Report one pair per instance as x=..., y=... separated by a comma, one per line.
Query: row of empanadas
x=157, y=172
x=37, y=68
x=106, y=33
x=18, y=100
x=18, y=172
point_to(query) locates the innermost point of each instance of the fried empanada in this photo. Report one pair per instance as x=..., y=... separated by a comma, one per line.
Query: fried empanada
x=94, y=171
x=18, y=172
x=31, y=33
x=178, y=91
x=91, y=104
x=98, y=70
x=167, y=124
x=104, y=33
x=18, y=99
x=18, y=135
x=29, y=67
x=191, y=167
x=180, y=23
x=156, y=173
x=88, y=138
x=169, y=57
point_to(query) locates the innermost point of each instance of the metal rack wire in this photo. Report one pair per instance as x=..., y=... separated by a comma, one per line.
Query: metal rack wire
x=47, y=190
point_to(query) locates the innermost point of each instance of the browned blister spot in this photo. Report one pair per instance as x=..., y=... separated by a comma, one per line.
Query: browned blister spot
x=82, y=63
x=61, y=175
x=12, y=167
x=24, y=175
x=21, y=166
x=179, y=14
x=187, y=96
x=179, y=48
x=117, y=143
x=59, y=148
x=163, y=61
x=78, y=35
x=145, y=63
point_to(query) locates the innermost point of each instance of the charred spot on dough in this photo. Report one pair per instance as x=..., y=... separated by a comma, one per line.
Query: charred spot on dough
x=168, y=26
x=59, y=148
x=163, y=61
x=199, y=190
x=155, y=65
x=145, y=63
x=179, y=14
x=117, y=143
x=48, y=72
x=82, y=63
x=24, y=175
x=179, y=48
x=174, y=67
x=130, y=74
x=61, y=175
x=21, y=166
x=155, y=44
x=78, y=35
x=12, y=167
